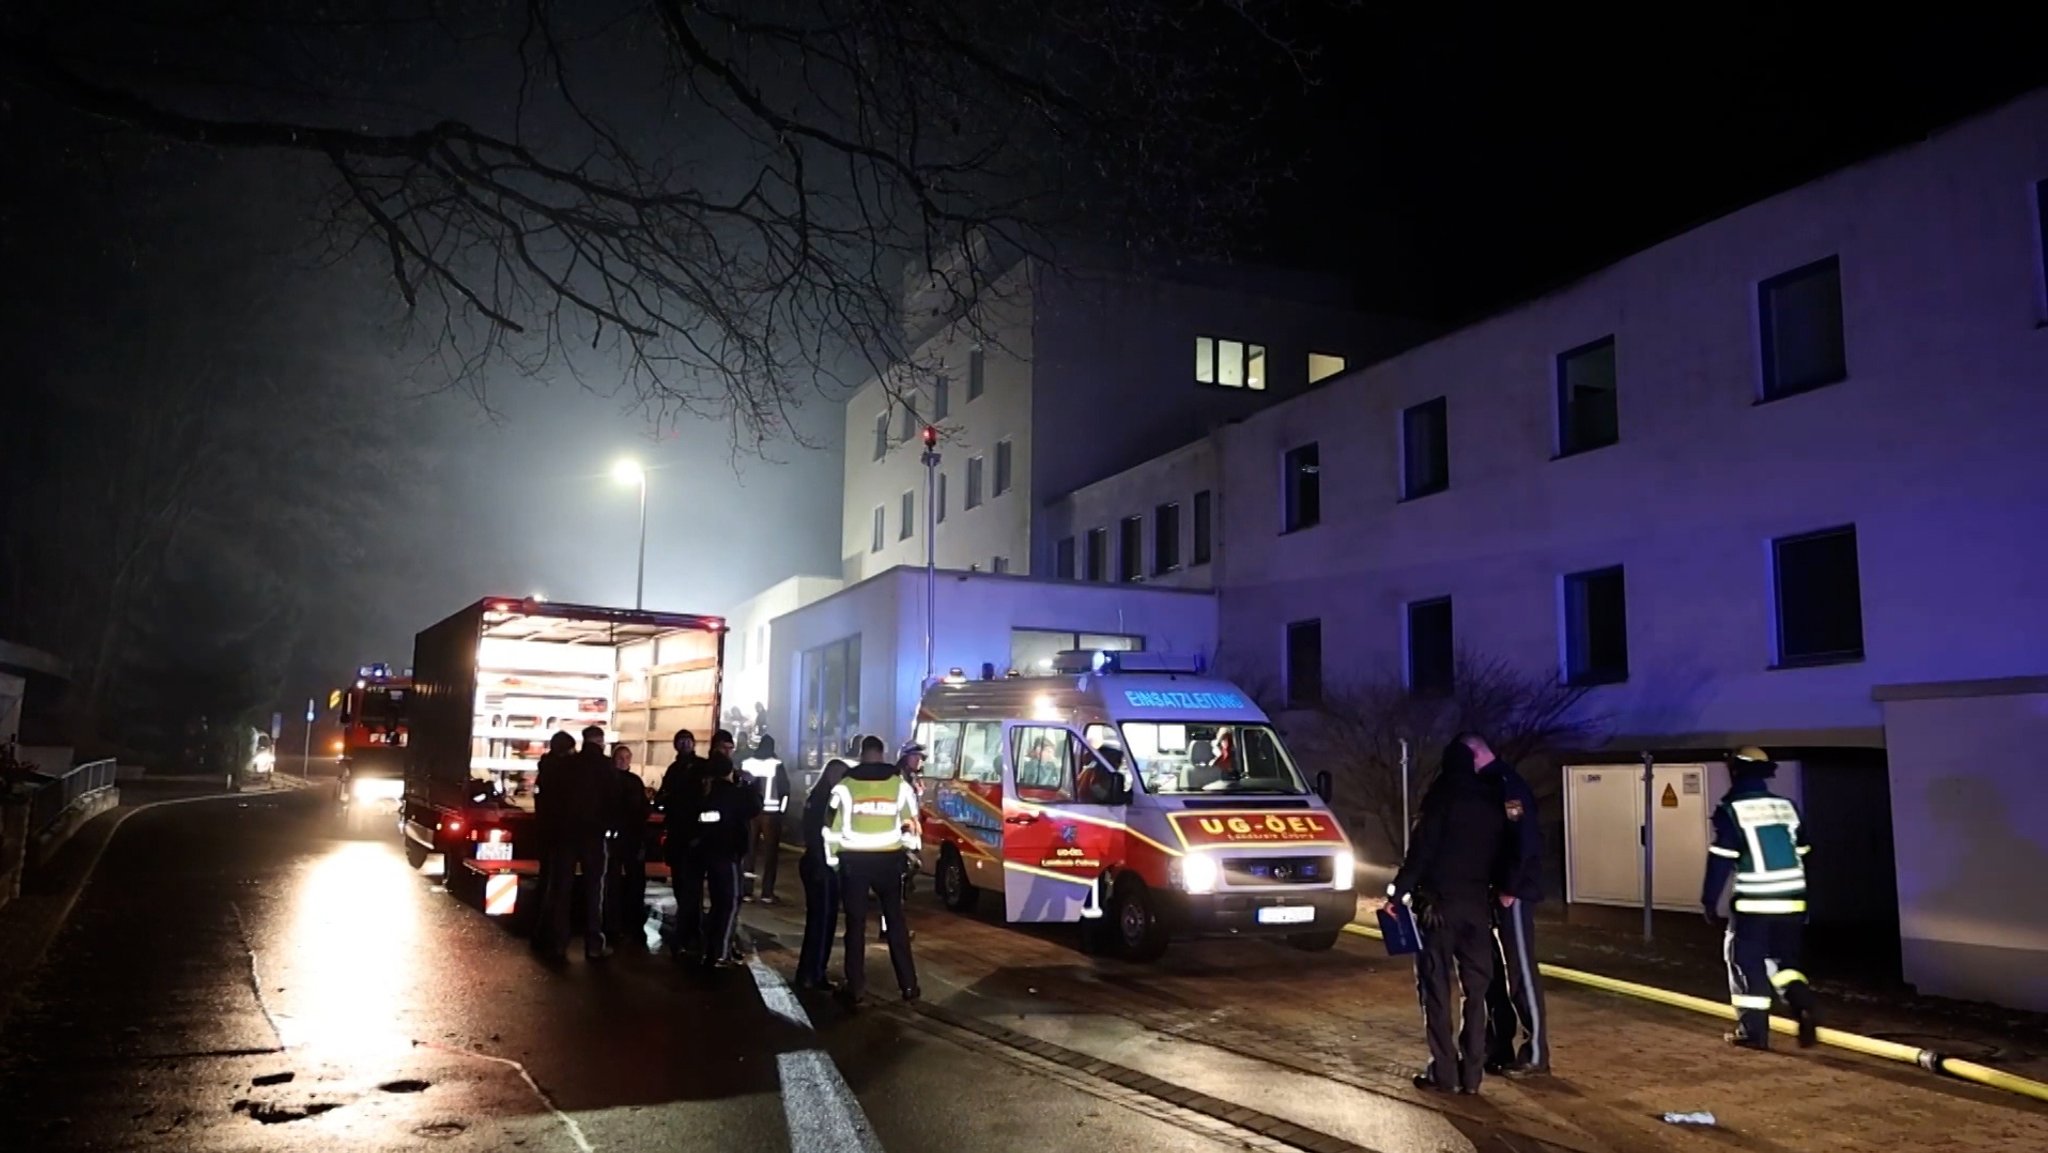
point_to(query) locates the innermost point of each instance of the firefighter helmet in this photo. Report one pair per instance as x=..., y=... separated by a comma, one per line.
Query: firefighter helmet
x=1750, y=761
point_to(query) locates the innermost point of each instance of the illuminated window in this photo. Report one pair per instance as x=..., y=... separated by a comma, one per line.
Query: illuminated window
x=1322, y=366
x=1230, y=363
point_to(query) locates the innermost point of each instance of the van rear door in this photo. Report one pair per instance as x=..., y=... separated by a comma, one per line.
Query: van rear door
x=1055, y=841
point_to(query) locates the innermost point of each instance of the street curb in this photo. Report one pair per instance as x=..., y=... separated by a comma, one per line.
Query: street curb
x=1928, y=1059
x=10, y=993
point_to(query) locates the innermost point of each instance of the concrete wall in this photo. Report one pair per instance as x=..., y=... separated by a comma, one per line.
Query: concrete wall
x=1930, y=448
x=1971, y=822
x=1001, y=525
x=1174, y=477
x=747, y=680
x=976, y=612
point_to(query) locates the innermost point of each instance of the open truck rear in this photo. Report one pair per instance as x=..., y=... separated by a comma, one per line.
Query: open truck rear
x=493, y=682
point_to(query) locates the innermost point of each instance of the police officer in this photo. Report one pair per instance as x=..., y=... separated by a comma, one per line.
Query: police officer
x=573, y=806
x=1449, y=880
x=1759, y=839
x=681, y=799
x=629, y=851
x=770, y=781
x=1515, y=996
x=724, y=826
x=871, y=825
x=821, y=882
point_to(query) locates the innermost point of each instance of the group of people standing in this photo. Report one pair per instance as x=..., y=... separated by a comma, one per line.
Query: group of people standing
x=1474, y=868
x=591, y=811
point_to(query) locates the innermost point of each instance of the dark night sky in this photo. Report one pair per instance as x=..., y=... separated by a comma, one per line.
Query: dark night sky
x=1454, y=159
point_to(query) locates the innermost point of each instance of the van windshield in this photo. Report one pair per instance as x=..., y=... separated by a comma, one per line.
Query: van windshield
x=1191, y=757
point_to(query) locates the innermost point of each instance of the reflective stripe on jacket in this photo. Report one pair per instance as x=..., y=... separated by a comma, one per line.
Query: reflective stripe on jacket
x=1758, y=839
x=868, y=816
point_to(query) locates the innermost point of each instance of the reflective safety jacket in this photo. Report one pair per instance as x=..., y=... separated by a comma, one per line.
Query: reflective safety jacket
x=872, y=811
x=1759, y=839
x=770, y=781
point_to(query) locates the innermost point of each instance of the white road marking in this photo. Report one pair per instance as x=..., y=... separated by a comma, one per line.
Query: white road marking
x=820, y=1110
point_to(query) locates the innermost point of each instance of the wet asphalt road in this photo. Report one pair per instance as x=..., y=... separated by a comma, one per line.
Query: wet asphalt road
x=246, y=973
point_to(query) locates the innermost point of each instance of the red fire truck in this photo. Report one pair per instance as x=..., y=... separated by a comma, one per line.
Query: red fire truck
x=494, y=681
x=374, y=740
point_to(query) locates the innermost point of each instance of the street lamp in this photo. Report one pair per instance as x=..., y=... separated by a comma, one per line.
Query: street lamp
x=628, y=471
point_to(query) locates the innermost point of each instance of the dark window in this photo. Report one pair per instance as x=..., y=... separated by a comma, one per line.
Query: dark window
x=1098, y=554
x=1304, y=663
x=909, y=515
x=1130, y=561
x=881, y=435
x=1304, y=488
x=1801, y=314
x=1165, y=538
x=1588, y=409
x=939, y=505
x=973, y=482
x=881, y=520
x=999, y=564
x=975, y=380
x=1820, y=597
x=1063, y=560
x=1002, y=467
x=942, y=398
x=1202, y=542
x=1596, y=627
x=908, y=425
x=1431, y=659
x=2041, y=227
x=1425, y=449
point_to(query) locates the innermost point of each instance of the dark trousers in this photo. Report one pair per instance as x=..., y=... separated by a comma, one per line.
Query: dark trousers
x=1762, y=951
x=570, y=867
x=821, y=918
x=1514, y=1000
x=687, y=875
x=880, y=875
x=765, y=859
x=723, y=923
x=629, y=891
x=1456, y=954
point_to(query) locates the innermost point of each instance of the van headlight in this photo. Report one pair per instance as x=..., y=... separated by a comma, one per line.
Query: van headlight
x=265, y=762
x=1200, y=873
x=1343, y=870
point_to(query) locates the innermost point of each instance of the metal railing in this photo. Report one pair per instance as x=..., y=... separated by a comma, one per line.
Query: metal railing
x=50, y=802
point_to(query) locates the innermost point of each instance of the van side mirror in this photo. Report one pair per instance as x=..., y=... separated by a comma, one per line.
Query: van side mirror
x=1323, y=785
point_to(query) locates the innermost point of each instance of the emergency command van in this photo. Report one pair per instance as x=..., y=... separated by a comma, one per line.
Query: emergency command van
x=1128, y=791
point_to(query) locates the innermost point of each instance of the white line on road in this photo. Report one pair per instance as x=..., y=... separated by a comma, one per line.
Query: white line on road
x=820, y=1110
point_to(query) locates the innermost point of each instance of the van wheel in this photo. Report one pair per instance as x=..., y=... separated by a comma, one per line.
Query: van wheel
x=956, y=892
x=415, y=855
x=1320, y=941
x=1140, y=934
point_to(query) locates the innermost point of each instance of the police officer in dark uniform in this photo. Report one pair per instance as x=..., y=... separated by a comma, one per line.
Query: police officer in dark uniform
x=1449, y=879
x=1760, y=841
x=681, y=799
x=821, y=883
x=1515, y=997
x=724, y=827
x=573, y=807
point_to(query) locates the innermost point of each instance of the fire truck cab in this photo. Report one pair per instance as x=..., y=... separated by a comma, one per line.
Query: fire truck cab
x=374, y=738
x=1130, y=793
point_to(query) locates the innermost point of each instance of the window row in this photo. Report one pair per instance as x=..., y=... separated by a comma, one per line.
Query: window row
x=1087, y=557
x=910, y=421
x=906, y=523
x=1816, y=590
x=1242, y=364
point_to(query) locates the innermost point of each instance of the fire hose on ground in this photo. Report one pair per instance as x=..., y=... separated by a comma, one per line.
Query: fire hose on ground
x=1928, y=1059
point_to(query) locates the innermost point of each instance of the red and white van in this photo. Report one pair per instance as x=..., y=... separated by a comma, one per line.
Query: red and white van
x=1128, y=790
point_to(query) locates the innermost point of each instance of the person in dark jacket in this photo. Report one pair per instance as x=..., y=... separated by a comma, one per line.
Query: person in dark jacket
x=572, y=807
x=1454, y=866
x=1514, y=1000
x=724, y=828
x=680, y=798
x=629, y=852
x=765, y=774
x=821, y=883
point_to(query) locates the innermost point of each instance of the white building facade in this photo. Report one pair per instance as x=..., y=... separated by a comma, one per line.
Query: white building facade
x=1778, y=480
x=750, y=626
x=1063, y=380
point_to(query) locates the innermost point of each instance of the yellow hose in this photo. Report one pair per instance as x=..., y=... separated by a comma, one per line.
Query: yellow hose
x=1854, y=1042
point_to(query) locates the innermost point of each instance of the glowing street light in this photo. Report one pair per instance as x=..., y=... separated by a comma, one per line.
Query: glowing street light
x=629, y=472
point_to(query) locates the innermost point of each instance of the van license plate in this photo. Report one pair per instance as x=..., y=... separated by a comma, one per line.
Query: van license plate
x=1287, y=914
x=494, y=851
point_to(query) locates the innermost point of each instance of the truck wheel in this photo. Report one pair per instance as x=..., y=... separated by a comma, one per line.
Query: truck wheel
x=956, y=892
x=1320, y=941
x=1140, y=934
x=415, y=854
